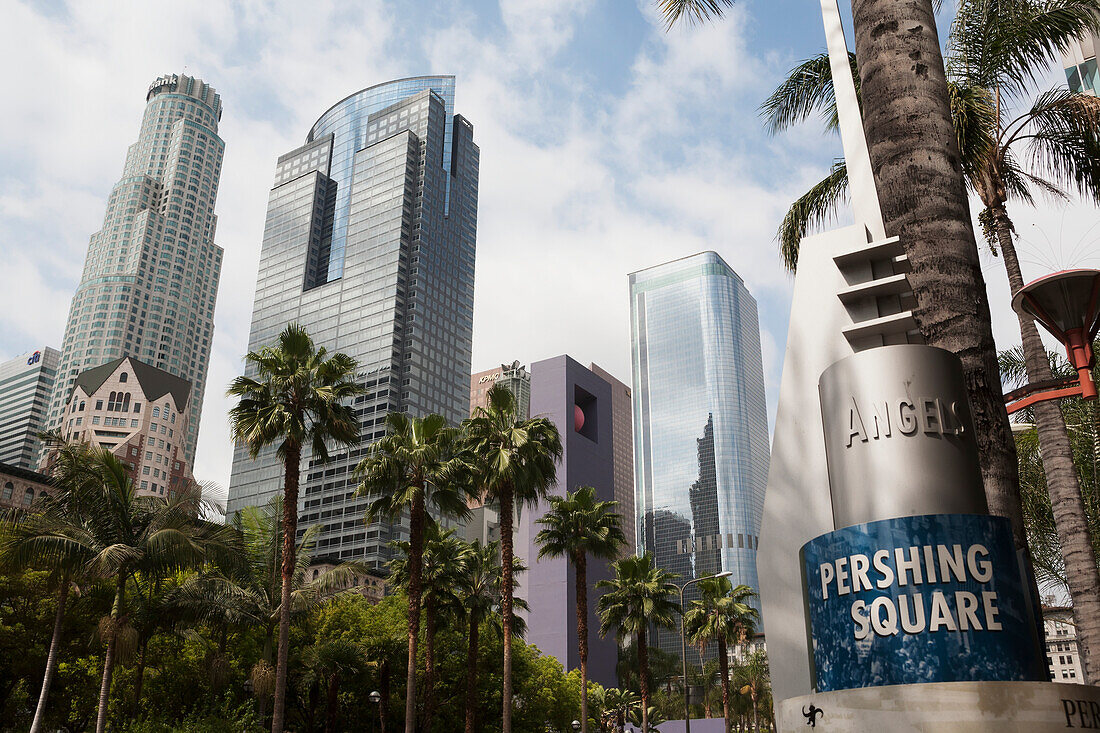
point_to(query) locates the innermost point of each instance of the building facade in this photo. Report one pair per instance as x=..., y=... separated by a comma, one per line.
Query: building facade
x=139, y=413
x=622, y=419
x=26, y=384
x=1063, y=654
x=151, y=274
x=1079, y=62
x=20, y=488
x=369, y=245
x=700, y=421
x=563, y=391
x=514, y=377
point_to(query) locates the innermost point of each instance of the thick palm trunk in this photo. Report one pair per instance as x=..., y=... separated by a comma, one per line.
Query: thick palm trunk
x=51, y=658
x=292, y=464
x=109, y=657
x=471, y=674
x=643, y=677
x=506, y=600
x=923, y=197
x=1063, y=486
x=724, y=666
x=580, y=561
x=416, y=559
x=332, y=703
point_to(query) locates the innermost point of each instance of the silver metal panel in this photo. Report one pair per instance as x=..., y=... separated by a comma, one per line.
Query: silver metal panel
x=899, y=436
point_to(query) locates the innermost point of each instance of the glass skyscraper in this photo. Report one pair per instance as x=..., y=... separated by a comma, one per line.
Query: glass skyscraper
x=369, y=245
x=151, y=274
x=700, y=421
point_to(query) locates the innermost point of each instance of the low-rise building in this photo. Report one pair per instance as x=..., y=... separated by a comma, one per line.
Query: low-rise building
x=139, y=413
x=371, y=584
x=20, y=487
x=1063, y=655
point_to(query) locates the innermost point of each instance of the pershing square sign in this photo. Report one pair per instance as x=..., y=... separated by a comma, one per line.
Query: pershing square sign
x=932, y=598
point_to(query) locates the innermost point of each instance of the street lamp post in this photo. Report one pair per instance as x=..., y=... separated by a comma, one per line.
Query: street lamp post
x=375, y=699
x=683, y=642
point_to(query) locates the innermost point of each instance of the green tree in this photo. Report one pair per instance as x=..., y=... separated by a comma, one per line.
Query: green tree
x=328, y=662
x=295, y=400
x=996, y=47
x=578, y=525
x=516, y=464
x=722, y=615
x=444, y=567
x=23, y=538
x=752, y=678
x=418, y=464
x=639, y=596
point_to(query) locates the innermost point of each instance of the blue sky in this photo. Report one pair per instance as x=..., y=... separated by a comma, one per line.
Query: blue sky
x=607, y=145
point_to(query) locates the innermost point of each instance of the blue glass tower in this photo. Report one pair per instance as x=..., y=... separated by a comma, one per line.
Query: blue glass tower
x=369, y=245
x=700, y=421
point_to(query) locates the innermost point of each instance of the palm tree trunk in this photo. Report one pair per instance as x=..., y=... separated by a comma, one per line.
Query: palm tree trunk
x=917, y=167
x=139, y=676
x=643, y=678
x=724, y=665
x=506, y=599
x=429, y=665
x=51, y=658
x=384, y=711
x=1082, y=575
x=471, y=674
x=267, y=658
x=416, y=559
x=292, y=464
x=755, y=720
x=109, y=657
x=332, y=703
x=580, y=562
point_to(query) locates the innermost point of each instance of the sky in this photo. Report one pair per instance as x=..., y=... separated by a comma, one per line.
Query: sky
x=607, y=145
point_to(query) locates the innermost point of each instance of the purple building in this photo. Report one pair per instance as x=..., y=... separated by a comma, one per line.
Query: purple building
x=579, y=403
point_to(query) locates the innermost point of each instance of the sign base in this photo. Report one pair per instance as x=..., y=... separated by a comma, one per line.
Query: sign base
x=947, y=707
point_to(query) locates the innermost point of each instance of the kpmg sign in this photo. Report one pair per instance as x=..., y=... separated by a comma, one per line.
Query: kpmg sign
x=919, y=583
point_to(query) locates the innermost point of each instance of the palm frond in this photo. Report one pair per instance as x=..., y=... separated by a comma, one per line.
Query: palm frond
x=692, y=11
x=811, y=211
x=807, y=88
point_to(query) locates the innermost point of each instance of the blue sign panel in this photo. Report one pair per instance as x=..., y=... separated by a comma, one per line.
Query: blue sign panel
x=933, y=598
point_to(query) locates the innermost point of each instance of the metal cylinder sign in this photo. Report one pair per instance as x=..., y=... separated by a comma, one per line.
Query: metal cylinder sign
x=899, y=436
x=933, y=598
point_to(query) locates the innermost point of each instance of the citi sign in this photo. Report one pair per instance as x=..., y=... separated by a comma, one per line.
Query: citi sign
x=34, y=358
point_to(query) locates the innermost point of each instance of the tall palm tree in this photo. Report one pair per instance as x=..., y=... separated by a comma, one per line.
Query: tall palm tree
x=516, y=461
x=995, y=49
x=576, y=526
x=419, y=464
x=721, y=615
x=245, y=591
x=639, y=596
x=918, y=172
x=22, y=539
x=295, y=400
x=444, y=562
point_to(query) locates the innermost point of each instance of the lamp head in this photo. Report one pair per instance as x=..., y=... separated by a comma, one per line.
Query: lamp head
x=374, y=697
x=724, y=574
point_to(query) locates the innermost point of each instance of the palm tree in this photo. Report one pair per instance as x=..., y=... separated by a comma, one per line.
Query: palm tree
x=918, y=172
x=295, y=400
x=721, y=615
x=995, y=49
x=751, y=675
x=516, y=461
x=639, y=596
x=245, y=591
x=328, y=662
x=444, y=561
x=24, y=537
x=618, y=705
x=576, y=526
x=419, y=464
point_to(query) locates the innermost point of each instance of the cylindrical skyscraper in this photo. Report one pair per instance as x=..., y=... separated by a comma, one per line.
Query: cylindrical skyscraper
x=151, y=274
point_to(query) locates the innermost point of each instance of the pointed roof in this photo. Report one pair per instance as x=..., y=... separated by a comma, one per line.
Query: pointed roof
x=155, y=383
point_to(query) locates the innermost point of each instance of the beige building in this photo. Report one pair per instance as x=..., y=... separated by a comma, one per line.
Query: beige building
x=19, y=487
x=514, y=376
x=1063, y=656
x=139, y=413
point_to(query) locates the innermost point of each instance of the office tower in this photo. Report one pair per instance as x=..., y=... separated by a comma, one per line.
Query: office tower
x=513, y=377
x=369, y=245
x=1079, y=62
x=622, y=419
x=139, y=413
x=26, y=383
x=151, y=274
x=700, y=422
x=579, y=403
